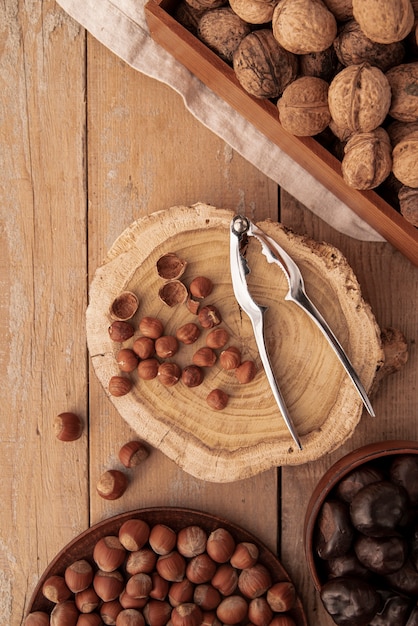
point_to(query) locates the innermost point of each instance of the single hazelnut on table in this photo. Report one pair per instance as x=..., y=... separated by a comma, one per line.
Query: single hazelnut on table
x=170, y=266
x=109, y=553
x=68, y=427
x=144, y=347
x=204, y=357
x=187, y=614
x=166, y=346
x=201, y=287
x=169, y=374
x=124, y=306
x=151, y=327
x=232, y=610
x=220, y=545
x=172, y=566
x=230, y=358
x=119, y=386
x=64, y=613
x=133, y=453
x=120, y=331
x=180, y=592
x=192, y=376
x=127, y=360
x=191, y=541
x=112, y=484
x=37, y=618
x=217, y=399
x=130, y=617
x=157, y=612
x=188, y=333
x=246, y=372
x=133, y=534
x=209, y=316
x=217, y=338
x=87, y=600
x=173, y=293
x=148, y=368
x=79, y=575
x=162, y=539
x=56, y=589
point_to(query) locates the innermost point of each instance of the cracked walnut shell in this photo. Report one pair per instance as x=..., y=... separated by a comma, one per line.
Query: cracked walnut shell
x=304, y=26
x=359, y=98
x=222, y=30
x=303, y=107
x=262, y=66
x=367, y=159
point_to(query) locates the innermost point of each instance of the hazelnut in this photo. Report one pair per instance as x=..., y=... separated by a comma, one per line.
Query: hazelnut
x=157, y=612
x=124, y=306
x=67, y=427
x=172, y=566
x=87, y=600
x=209, y=316
x=166, y=346
x=170, y=266
x=169, y=374
x=37, y=618
x=188, y=333
x=56, y=589
x=181, y=592
x=210, y=619
x=191, y=541
x=254, y=581
x=130, y=617
x=121, y=331
x=259, y=612
x=232, y=610
x=151, y=327
x=148, y=369
x=79, y=575
x=108, y=585
x=119, y=386
x=160, y=587
x=207, y=597
x=230, y=358
x=112, y=484
x=139, y=585
x=217, y=399
x=282, y=620
x=64, y=613
x=109, y=612
x=220, y=545
x=127, y=602
x=217, y=338
x=127, y=360
x=200, y=569
x=133, y=534
x=144, y=347
x=187, y=614
x=245, y=555
x=90, y=619
x=281, y=596
x=162, y=539
x=225, y=579
x=192, y=376
x=172, y=293
x=109, y=553
x=246, y=372
x=204, y=357
x=133, y=453
x=142, y=560
x=201, y=287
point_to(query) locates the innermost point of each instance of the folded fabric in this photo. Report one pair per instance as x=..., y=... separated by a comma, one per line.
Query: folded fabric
x=121, y=26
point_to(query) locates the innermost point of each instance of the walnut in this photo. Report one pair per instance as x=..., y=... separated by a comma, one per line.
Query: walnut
x=341, y=132
x=403, y=81
x=384, y=21
x=367, y=159
x=359, y=97
x=262, y=66
x=399, y=130
x=204, y=5
x=353, y=47
x=408, y=204
x=342, y=9
x=188, y=16
x=303, y=26
x=254, y=11
x=303, y=107
x=222, y=30
x=405, y=159
x=322, y=64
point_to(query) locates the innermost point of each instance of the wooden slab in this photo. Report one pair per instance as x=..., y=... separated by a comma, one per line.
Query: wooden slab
x=249, y=435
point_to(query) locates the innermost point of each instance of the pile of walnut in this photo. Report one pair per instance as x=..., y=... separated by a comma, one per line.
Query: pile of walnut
x=153, y=575
x=346, y=66
x=150, y=354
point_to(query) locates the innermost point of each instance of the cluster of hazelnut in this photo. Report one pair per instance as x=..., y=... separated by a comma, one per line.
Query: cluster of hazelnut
x=345, y=71
x=150, y=354
x=151, y=575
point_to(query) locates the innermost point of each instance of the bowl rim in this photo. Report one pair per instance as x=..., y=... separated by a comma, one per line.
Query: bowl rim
x=333, y=475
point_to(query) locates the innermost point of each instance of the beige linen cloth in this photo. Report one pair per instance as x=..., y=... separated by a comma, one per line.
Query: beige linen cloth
x=121, y=26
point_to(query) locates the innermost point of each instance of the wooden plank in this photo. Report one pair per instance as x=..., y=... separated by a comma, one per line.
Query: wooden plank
x=389, y=283
x=147, y=153
x=43, y=296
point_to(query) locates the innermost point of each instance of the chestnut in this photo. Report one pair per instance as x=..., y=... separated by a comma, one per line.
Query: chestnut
x=404, y=472
x=346, y=565
x=394, y=611
x=377, y=508
x=404, y=580
x=382, y=555
x=350, y=601
x=351, y=484
x=334, y=530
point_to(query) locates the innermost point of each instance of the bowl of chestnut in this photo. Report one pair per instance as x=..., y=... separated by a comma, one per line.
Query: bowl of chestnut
x=361, y=536
x=158, y=566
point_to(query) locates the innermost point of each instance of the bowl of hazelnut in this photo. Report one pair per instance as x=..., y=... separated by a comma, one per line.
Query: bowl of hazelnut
x=160, y=566
x=361, y=536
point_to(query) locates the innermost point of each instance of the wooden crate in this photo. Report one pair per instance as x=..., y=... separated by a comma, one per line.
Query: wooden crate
x=306, y=151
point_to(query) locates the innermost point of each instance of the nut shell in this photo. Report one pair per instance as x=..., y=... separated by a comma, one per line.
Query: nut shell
x=222, y=30
x=303, y=107
x=367, y=159
x=173, y=293
x=303, y=26
x=262, y=66
x=403, y=81
x=124, y=306
x=170, y=266
x=384, y=21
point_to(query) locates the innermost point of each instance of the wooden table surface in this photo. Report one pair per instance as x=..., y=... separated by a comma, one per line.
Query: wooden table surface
x=87, y=146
